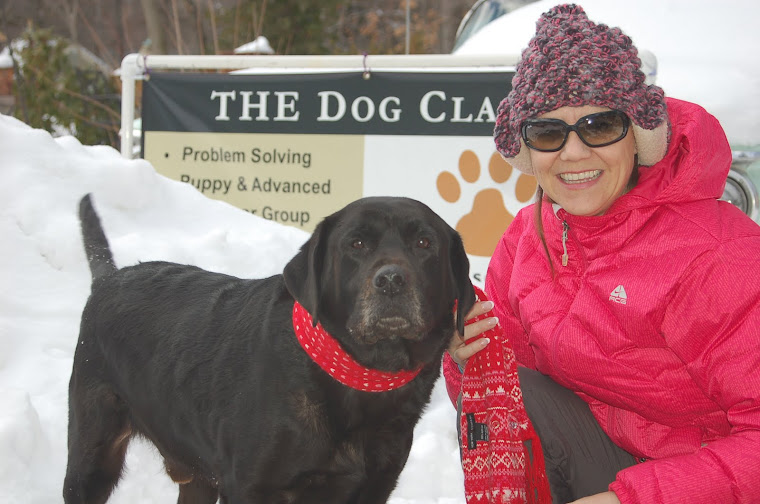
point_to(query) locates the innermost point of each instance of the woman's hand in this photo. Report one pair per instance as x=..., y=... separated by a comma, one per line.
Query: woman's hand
x=458, y=349
x=602, y=498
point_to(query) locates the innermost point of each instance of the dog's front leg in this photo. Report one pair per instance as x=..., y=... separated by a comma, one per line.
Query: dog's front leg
x=197, y=491
x=383, y=476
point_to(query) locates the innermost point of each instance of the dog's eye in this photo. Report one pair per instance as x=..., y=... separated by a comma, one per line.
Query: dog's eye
x=423, y=243
x=358, y=244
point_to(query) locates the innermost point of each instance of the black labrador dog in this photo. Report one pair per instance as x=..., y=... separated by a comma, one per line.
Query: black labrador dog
x=208, y=367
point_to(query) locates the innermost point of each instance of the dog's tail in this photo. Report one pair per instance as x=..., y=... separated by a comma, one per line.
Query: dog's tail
x=95, y=242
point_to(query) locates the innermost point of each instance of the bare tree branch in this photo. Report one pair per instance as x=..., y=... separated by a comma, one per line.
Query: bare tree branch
x=98, y=41
x=177, y=31
x=155, y=27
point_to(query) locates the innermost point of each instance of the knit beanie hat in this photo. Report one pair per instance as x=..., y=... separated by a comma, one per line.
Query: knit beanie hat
x=572, y=61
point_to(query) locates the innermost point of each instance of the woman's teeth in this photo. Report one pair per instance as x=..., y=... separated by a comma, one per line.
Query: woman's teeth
x=577, y=178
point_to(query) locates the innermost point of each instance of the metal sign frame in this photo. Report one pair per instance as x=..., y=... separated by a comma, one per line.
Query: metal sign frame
x=136, y=67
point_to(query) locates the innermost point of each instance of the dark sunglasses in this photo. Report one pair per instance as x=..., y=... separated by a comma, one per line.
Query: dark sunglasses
x=594, y=130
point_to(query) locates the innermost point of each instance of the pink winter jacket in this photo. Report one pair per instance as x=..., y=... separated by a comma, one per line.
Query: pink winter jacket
x=654, y=322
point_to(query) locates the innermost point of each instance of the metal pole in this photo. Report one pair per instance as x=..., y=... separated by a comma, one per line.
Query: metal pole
x=128, y=78
x=134, y=65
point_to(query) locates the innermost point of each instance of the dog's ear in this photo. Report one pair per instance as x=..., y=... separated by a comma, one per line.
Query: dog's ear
x=303, y=274
x=460, y=276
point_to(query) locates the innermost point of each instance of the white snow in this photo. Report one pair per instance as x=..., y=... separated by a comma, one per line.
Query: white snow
x=260, y=45
x=5, y=58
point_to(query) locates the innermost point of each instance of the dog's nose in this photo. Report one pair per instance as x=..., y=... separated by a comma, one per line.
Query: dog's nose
x=390, y=280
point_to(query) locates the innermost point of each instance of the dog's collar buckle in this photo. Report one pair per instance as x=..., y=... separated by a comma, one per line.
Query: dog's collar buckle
x=335, y=361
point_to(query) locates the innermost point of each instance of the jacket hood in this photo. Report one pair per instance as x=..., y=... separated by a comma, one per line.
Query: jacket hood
x=694, y=168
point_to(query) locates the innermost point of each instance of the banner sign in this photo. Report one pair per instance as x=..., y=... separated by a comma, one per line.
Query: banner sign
x=295, y=147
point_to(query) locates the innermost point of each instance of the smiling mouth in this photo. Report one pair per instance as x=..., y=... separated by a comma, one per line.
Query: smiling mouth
x=579, y=178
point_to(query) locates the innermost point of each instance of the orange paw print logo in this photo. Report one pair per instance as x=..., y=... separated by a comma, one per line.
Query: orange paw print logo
x=484, y=225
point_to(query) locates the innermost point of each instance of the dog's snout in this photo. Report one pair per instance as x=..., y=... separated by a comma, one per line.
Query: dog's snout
x=390, y=280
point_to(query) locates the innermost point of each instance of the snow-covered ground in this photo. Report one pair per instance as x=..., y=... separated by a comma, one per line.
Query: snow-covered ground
x=45, y=282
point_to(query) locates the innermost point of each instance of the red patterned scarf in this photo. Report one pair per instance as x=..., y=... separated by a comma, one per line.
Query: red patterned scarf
x=333, y=359
x=495, y=429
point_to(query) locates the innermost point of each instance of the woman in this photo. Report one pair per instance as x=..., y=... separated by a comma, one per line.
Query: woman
x=627, y=284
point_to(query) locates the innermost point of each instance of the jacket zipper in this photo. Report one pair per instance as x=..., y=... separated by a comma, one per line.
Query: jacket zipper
x=564, y=259
x=567, y=235
x=565, y=229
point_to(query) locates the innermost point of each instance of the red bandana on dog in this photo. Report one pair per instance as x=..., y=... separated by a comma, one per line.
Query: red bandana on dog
x=333, y=360
x=495, y=427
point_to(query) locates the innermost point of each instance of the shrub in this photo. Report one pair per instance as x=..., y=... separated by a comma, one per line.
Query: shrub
x=59, y=87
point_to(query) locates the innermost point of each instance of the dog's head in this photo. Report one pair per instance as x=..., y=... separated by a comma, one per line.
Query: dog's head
x=384, y=274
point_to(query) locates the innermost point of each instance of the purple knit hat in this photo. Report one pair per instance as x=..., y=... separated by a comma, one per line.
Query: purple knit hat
x=572, y=61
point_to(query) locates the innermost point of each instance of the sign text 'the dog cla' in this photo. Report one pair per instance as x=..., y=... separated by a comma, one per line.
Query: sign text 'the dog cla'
x=434, y=107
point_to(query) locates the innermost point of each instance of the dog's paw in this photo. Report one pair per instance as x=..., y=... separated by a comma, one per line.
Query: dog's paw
x=483, y=226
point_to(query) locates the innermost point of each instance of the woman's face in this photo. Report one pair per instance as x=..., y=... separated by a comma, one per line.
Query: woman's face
x=584, y=180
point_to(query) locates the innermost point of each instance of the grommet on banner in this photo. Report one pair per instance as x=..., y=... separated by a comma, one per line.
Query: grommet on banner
x=146, y=70
x=367, y=74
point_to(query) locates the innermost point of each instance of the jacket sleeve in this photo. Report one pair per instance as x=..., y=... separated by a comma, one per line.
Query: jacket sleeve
x=712, y=325
x=497, y=287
